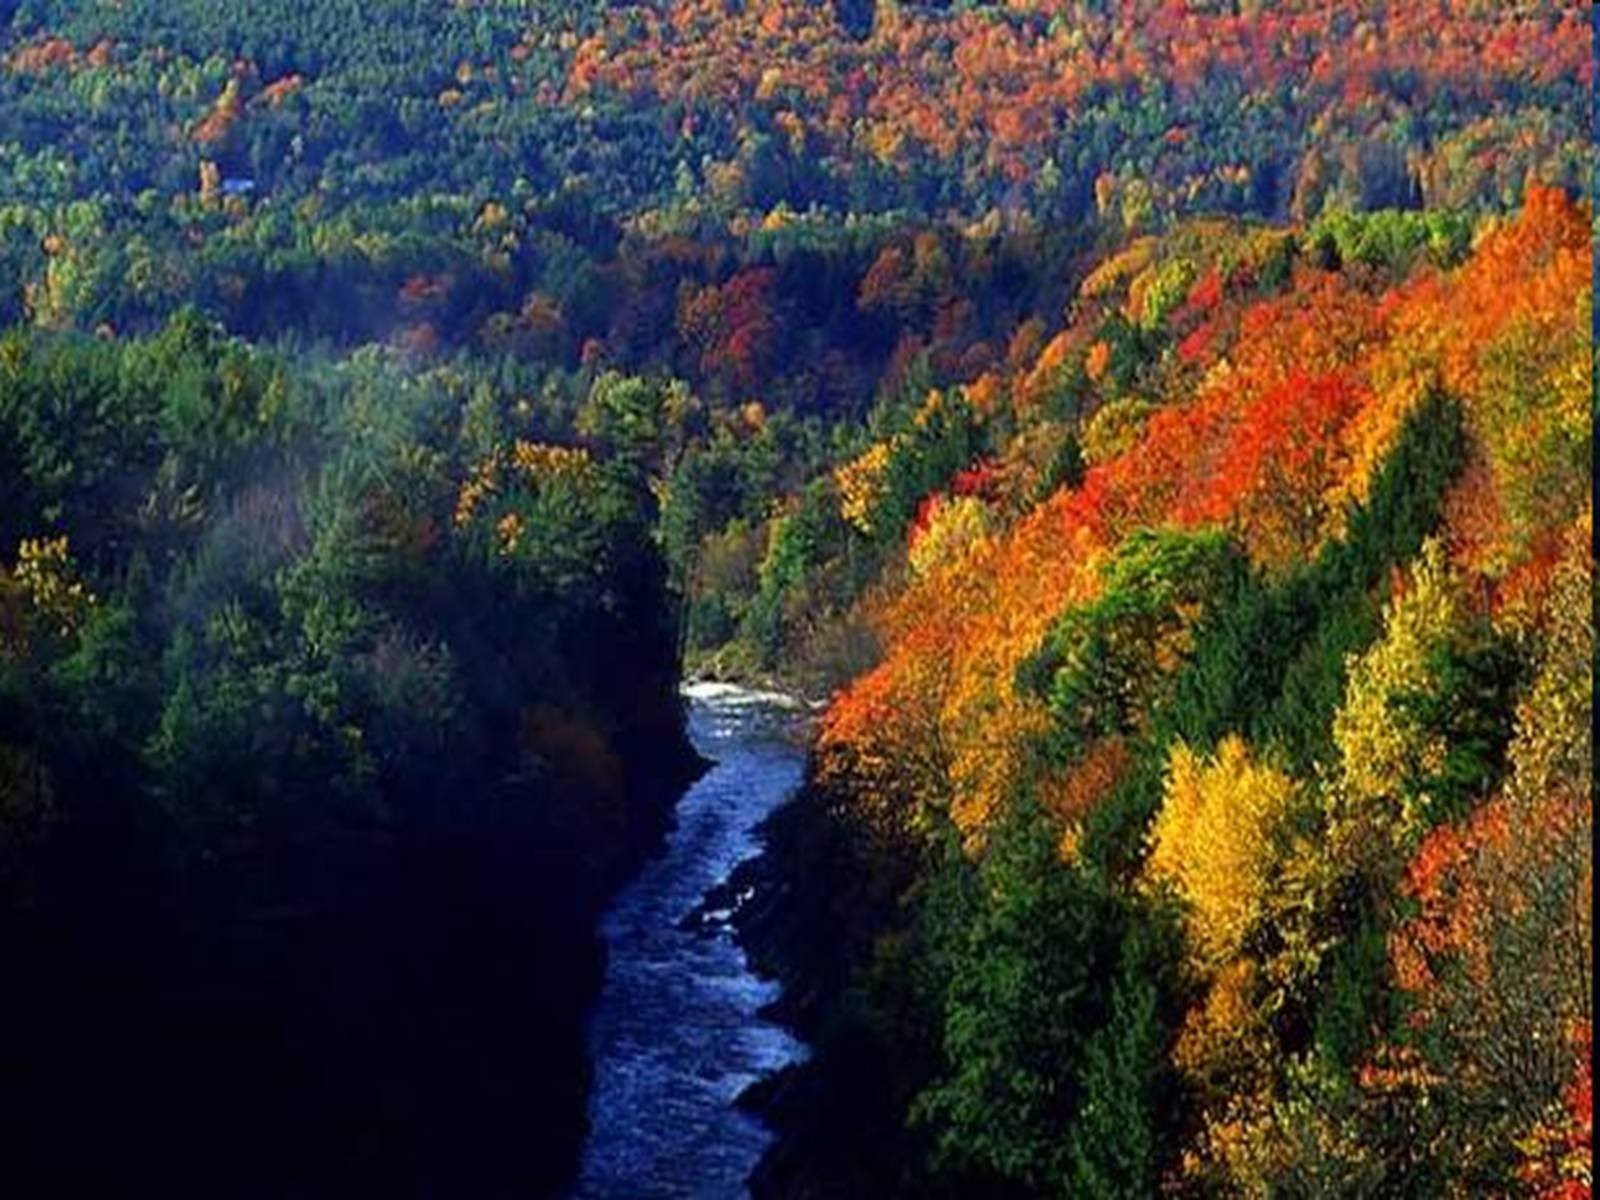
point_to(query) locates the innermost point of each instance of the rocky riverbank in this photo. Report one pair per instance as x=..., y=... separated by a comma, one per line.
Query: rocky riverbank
x=819, y=898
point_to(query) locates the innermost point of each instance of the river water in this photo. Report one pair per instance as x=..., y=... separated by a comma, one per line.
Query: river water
x=676, y=1036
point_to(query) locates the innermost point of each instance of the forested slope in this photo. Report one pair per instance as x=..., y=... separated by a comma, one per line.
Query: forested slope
x=331, y=711
x=1238, y=790
x=1162, y=431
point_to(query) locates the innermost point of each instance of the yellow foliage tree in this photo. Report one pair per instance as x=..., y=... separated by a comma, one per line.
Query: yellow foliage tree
x=860, y=483
x=955, y=526
x=1225, y=1046
x=59, y=599
x=1380, y=744
x=1214, y=843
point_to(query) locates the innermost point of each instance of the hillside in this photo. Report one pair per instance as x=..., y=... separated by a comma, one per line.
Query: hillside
x=1237, y=787
x=1157, y=437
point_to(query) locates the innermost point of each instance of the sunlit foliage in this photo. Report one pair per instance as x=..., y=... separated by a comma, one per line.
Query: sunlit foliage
x=1213, y=841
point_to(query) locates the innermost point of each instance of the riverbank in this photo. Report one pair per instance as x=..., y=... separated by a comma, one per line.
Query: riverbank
x=820, y=897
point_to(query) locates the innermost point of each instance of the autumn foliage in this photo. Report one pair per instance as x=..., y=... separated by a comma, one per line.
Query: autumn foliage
x=1411, y=880
x=998, y=83
x=1156, y=433
x=1272, y=443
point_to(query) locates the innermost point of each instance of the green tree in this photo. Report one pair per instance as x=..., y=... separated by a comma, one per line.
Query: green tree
x=1026, y=990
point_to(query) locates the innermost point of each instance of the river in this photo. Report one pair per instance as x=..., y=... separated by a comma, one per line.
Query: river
x=676, y=1034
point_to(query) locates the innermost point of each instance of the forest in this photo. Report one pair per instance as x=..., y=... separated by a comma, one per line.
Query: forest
x=1221, y=822
x=1158, y=437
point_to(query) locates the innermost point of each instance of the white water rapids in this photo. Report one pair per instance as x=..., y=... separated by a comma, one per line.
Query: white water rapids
x=676, y=1035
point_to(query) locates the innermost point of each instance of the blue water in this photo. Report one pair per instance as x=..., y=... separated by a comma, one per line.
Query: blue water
x=675, y=1036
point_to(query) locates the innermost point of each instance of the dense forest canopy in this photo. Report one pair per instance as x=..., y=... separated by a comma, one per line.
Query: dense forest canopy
x=1161, y=432
x=286, y=163
x=1214, y=790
